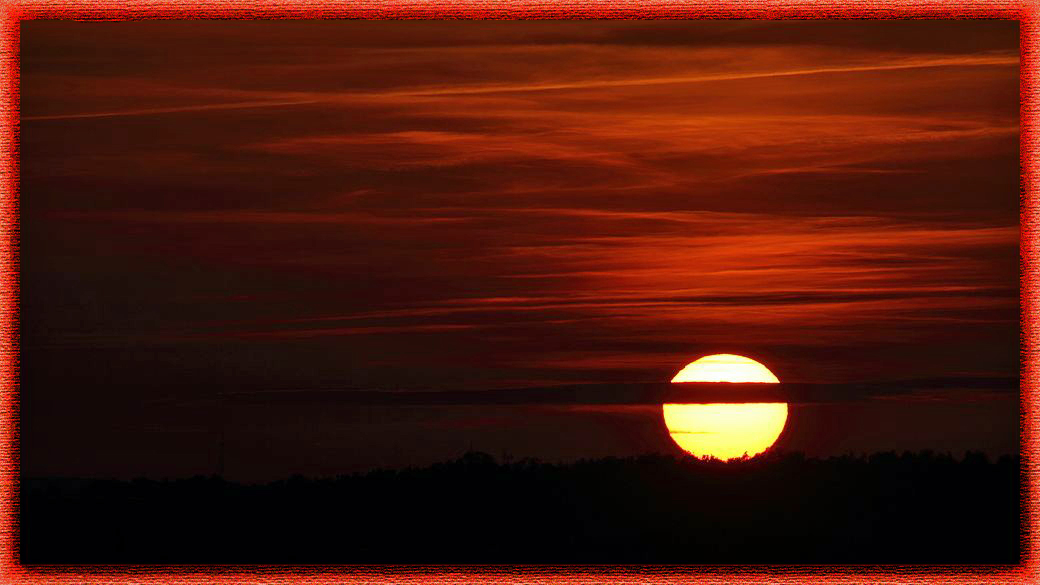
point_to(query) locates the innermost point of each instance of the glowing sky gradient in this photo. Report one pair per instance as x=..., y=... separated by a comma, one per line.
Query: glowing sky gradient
x=467, y=205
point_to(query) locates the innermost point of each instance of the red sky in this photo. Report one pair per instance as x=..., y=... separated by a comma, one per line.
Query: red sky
x=471, y=205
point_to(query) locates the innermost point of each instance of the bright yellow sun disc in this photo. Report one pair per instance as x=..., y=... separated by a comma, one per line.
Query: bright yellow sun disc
x=725, y=431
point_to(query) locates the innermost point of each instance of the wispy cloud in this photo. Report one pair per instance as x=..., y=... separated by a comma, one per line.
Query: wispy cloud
x=170, y=110
x=564, y=201
x=901, y=64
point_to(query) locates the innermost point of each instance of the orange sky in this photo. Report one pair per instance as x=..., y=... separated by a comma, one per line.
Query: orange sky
x=496, y=204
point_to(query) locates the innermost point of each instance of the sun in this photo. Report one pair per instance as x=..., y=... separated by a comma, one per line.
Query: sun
x=725, y=431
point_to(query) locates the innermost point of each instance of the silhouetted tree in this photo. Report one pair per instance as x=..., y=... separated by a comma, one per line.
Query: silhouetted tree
x=773, y=508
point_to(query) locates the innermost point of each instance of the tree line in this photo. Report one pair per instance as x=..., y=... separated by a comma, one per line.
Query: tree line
x=775, y=508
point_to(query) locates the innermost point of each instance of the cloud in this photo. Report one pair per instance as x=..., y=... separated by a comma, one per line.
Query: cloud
x=914, y=63
x=523, y=201
x=600, y=396
x=169, y=110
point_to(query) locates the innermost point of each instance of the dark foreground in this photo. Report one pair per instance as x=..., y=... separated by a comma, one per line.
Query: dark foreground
x=886, y=508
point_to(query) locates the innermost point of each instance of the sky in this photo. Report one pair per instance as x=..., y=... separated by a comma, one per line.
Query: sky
x=261, y=208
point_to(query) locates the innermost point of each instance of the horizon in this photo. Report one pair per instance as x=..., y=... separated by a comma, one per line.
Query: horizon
x=506, y=459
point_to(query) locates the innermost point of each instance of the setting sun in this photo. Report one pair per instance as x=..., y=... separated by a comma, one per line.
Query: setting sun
x=723, y=430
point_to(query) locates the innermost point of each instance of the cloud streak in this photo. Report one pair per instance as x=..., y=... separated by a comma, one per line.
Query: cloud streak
x=918, y=63
x=170, y=110
x=549, y=202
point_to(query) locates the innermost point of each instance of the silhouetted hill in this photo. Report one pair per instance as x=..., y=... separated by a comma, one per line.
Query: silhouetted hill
x=779, y=508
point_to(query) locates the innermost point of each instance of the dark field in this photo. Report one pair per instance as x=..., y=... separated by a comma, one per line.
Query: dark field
x=779, y=508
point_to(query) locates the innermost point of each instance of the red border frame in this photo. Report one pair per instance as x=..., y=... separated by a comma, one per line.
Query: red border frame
x=12, y=12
